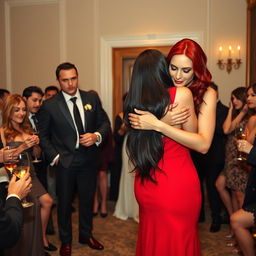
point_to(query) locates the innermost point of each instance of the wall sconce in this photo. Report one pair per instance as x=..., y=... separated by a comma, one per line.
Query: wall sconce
x=230, y=63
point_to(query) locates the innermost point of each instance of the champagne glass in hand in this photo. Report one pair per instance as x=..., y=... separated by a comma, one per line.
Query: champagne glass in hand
x=36, y=150
x=240, y=134
x=9, y=159
x=21, y=168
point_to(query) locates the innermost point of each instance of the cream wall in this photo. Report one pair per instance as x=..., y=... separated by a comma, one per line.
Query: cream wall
x=227, y=26
x=72, y=30
x=34, y=45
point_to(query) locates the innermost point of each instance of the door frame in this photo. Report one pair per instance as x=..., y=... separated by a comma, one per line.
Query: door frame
x=119, y=54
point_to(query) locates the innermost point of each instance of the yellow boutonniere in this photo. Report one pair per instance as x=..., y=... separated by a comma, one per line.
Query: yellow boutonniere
x=88, y=107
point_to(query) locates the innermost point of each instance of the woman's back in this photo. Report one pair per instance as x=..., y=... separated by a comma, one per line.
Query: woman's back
x=171, y=206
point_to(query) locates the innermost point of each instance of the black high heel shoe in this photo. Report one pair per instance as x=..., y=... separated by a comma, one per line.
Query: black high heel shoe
x=103, y=215
x=94, y=214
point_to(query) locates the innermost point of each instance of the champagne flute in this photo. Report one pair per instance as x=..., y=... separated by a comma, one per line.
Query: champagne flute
x=240, y=134
x=36, y=160
x=21, y=168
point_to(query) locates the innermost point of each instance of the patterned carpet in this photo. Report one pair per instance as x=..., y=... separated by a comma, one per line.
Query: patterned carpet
x=119, y=237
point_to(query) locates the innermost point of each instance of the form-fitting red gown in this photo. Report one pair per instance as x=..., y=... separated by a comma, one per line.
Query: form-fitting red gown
x=169, y=210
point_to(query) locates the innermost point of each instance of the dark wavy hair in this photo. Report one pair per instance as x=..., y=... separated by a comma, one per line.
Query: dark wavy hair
x=202, y=75
x=253, y=87
x=240, y=94
x=150, y=78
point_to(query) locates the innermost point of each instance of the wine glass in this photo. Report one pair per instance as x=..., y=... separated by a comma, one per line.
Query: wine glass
x=9, y=161
x=21, y=167
x=240, y=133
x=35, y=160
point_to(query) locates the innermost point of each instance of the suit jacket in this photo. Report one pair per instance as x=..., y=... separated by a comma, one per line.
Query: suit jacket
x=57, y=130
x=11, y=219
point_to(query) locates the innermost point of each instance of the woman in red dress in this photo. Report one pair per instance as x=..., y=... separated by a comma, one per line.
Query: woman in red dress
x=167, y=187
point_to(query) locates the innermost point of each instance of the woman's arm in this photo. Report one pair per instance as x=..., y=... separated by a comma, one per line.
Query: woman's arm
x=177, y=115
x=29, y=142
x=200, y=141
x=229, y=125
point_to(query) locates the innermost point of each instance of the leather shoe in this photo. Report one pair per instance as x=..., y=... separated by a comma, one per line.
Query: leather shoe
x=91, y=242
x=215, y=227
x=47, y=254
x=50, y=247
x=65, y=249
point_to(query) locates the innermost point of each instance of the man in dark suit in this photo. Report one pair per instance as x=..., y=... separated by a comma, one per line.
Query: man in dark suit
x=34, y=96
x=71, y=125
x=11, y=216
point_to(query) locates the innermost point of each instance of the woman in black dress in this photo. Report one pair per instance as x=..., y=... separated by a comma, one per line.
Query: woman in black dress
x=245, y=218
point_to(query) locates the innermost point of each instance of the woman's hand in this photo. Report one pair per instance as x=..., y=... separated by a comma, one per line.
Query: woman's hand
x=7, y=154
x=230, y=105
x=123, y=129
x=244, y=146
x=30, y=142
x=143, y=120
x=245, y=109
x=176, y=116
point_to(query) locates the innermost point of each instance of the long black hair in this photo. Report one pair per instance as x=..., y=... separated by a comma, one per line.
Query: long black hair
x=150, y=78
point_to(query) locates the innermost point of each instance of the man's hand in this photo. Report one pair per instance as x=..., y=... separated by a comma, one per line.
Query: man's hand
x=88, y=139
x=21, y=187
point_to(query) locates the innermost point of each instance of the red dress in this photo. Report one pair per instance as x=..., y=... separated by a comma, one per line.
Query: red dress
x=169, y=210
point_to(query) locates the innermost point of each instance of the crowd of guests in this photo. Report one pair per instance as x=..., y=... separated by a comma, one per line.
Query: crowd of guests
x=64, y=132
x=68, y=138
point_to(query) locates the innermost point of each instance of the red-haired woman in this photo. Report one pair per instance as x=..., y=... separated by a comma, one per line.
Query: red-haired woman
x=16, y=132
x=187, y=66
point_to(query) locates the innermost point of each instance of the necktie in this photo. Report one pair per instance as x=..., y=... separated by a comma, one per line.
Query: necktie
x=77, y=117
x=35, y=122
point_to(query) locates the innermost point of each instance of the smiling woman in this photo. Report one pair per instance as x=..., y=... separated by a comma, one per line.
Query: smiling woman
x=16, y=133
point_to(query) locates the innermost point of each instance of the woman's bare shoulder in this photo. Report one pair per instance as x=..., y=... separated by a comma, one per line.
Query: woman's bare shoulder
x=252, y=120
x=183, y=95
x=210, y=94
